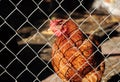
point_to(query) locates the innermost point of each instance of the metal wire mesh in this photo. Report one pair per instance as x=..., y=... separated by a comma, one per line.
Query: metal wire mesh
x=25, y=53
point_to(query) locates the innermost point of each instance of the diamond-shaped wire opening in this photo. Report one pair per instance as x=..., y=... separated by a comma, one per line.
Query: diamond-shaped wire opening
x=6, y=57
x=26, y=76
x=26, y=55
x=12, y=45
x=5, y=9
x=26, y=30
x=15, y=68
x=36, y=63
x=7, y=32
x=59, y=13
x=26, y=8
x=5, y=77
x=84, y=6
x=8, y=37
x=16, y=19
x=37, y=18
x=44, y=26
x=87, y=5
x=71, y=6
x=49, y=5
x=37, y=47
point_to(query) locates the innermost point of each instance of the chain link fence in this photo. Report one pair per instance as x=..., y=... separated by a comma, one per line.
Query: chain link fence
x=25, y=52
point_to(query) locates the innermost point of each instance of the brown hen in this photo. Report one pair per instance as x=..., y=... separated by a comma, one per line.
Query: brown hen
x=75, y=57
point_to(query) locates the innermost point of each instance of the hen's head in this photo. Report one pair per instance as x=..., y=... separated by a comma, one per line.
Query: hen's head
x=56, y=26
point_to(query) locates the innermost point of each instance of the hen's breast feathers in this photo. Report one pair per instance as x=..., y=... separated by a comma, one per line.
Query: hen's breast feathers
x=74, y=54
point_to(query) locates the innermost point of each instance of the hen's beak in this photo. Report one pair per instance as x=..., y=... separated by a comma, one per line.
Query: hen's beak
x=47, y=32
x=50, y=31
